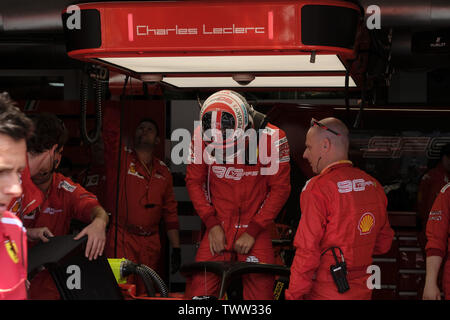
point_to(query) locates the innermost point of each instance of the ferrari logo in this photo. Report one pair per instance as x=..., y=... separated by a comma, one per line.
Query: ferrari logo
x=11, y=248
x=133, y=172
x=15, y=208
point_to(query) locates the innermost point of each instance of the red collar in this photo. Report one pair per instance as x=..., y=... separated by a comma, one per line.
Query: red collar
x=335, y=165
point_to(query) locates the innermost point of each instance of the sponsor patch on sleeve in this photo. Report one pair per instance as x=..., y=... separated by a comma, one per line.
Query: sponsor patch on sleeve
x=435, y=216
x=66, y=186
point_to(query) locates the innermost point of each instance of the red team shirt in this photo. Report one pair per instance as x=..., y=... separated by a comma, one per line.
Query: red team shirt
x=13, y=258
x=430, y=186
x=438, y=234
x=341, y=207
x=64, y=201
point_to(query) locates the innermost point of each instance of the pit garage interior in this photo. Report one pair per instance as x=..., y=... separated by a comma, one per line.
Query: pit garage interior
x=391, y=88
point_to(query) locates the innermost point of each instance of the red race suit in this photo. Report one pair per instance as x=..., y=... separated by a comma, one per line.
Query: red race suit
x=13, y=258
x=64, y=201
x=145, y=200
x=341, y=207
x=438, y=234
x=240, y=198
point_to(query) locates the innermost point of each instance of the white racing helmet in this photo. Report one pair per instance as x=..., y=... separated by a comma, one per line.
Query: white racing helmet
x=230, y=114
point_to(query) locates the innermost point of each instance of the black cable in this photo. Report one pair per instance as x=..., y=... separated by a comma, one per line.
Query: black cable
x=334, y=254
x=99, y=89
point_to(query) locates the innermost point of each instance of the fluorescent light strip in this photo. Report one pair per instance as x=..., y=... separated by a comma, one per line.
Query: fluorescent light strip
x=260, y=63
x=56, y=84
x=259, y=82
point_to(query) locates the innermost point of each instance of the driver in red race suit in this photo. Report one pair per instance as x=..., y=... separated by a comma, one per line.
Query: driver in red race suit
x=438, y=245
x=236, y=200
x=341, y=207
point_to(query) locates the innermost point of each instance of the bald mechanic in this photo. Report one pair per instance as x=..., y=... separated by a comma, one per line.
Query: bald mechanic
x=146, y=197
x=15, y=127
x=50, y=200
x=342, y=208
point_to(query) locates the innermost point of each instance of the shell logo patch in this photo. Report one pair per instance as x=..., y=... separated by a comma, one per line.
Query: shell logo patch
x=11, y=248
x=366, y=223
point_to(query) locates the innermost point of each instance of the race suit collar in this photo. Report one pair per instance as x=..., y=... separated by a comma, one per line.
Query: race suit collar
x=335, y=165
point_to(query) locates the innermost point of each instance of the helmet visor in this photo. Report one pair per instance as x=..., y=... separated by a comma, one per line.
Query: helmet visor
x=219, y=120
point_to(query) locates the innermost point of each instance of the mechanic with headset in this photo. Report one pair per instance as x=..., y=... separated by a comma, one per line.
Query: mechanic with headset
x=146, y=196
x=234, y=190
x=15, y=127
x=344, y=221
x=50, y=200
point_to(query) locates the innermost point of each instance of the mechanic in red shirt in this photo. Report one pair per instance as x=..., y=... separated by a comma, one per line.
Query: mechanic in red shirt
x=341, y=207
x=146, y=196
x=236, y=198
x=60, y=200
x=438, y=245
x=431, y=184
x=14, y=129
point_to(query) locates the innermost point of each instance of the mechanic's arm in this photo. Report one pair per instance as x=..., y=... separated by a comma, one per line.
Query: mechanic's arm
x=43, y=233
x=436, y=248
x=431, y=290
x=96, y=232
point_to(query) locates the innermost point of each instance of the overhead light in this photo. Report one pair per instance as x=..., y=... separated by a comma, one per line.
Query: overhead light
x=241, y=63
x=243, y=78
x=56, y=84
x=260, y=82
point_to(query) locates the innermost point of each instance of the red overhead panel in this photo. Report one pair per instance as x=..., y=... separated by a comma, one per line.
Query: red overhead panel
x=113, y=31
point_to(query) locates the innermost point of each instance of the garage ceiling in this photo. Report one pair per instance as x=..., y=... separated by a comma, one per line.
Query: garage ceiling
x=413, y=40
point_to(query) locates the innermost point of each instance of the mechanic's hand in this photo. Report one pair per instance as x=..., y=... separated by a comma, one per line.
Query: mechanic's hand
x=96, y=238
x=39, y=234
x=431, y=292
x=175, y=260
x=244, y=243
x=217, y=240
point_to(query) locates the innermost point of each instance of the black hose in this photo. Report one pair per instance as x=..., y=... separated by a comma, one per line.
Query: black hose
x=99, y=89
x=163, y=290
x=148, y=283
x=148, y=276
